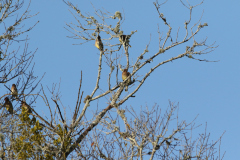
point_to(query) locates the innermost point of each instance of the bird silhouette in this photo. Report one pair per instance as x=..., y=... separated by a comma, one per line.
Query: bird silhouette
x=14, y=91
x=125, y=74
x=8, y=105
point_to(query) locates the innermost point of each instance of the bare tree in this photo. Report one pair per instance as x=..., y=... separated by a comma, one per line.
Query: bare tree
x=109, y=133
x=15, y=68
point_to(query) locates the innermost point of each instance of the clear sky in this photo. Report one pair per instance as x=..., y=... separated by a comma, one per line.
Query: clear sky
x=210, y=90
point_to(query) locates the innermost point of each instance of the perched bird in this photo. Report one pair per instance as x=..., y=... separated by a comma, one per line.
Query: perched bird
x=14, y=91
x=26, y=107
x=124, y=39
x=98, y=43
x=8, y=105
x=125, y=74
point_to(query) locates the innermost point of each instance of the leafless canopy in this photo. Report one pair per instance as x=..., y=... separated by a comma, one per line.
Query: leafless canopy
x=113, y=132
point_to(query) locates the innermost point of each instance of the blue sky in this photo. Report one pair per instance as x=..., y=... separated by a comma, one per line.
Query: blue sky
x=209, y=90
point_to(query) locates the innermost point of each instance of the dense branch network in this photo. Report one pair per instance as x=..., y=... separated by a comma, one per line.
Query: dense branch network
x=112, y=132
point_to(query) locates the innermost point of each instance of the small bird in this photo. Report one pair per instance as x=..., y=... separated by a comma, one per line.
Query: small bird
x=125, y=74
x=14, y=91
x=124, y=39
x=8, y=105
x=26, y=107
x=98, y=43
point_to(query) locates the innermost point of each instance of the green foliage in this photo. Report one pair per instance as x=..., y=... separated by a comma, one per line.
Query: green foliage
x=30, y=138
x=62, y=133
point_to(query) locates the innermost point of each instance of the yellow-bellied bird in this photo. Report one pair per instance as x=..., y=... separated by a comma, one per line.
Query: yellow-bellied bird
x=124, y=39
x=125, y=74
x=98, y=43
x=8, y=105
x=26, y=107
x=14, y=91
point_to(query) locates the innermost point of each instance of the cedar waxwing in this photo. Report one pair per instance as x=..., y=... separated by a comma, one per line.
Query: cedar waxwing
x=98, y=43
x=8, y=105
x=26, y=106
x=124, y=39
x=125, y=74
x=14, y=91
